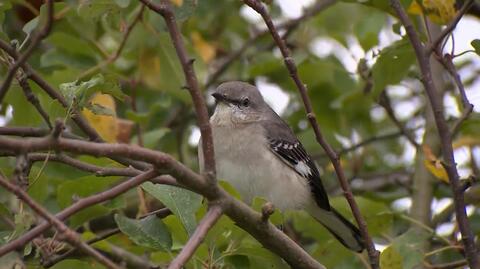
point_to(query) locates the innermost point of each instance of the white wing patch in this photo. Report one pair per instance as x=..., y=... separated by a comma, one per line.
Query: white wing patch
x=303, y=169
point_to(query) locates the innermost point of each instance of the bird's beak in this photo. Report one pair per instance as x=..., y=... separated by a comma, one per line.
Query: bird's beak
x=218, y=97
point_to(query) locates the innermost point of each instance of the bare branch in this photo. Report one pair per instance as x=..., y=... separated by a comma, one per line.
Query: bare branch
x=213, y=214
x=37, y=37
x=32, y=98
x=447, y=62
x=444, y=134
x=335, y=159
x=161, y=213
x=71, y=236
x=164, y=8
x=249, y=220
x=77, y=206
x=386, y=104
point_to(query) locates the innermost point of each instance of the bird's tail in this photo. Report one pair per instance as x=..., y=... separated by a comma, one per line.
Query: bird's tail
x=347, y=233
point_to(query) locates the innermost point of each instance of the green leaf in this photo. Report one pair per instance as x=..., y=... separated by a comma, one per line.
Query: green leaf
x=368, y=29
x=95, y=9
x=148, y=232
x=184, y=11
x=183, y=203
x=390, y=258
x=476, y=45
x=122, y=3
x=406, y=250
x=71, y=190
x=30, y=26
x=4, y=7
x=151, y=138
x=98, y=109
x=81, y=92
x=76, y=264
x=392, y=65
x=381, y=4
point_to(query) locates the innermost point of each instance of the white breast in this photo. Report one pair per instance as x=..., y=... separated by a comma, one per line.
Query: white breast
x=244, y=160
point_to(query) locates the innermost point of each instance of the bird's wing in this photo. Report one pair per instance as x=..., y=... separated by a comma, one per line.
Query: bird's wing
x=283, y=143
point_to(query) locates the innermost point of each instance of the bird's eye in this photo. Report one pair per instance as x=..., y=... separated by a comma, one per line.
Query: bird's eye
x=245, y=102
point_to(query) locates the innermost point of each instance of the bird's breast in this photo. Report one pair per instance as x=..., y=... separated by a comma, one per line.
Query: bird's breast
x=244, y=160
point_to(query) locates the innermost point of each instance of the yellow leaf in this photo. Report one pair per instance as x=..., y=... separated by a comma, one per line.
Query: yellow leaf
x=438, y=11
x=434, y=165
x=466, y=141
x=106, y=126
x=149, y=69
x=202, y=47
x=178, y=3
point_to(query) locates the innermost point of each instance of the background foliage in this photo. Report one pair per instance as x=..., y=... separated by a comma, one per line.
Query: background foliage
x=131, y=93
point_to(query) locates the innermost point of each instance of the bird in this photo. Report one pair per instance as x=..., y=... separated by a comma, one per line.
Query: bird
x=260, y=156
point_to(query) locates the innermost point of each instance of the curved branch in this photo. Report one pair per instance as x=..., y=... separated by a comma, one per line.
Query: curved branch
x=318, y=7
x=444, y=133
x=76, y=207
x=335, y=159
x=37, y=38
x=164, y=8
x=71, y=236
x=245, y=217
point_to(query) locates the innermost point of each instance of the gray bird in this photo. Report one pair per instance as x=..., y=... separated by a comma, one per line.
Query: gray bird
x=259, y=155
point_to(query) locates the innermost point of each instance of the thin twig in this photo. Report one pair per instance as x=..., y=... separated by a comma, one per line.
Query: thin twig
x=444, y=134
x=447, y=62
x=32, y=131
x=387, y=105
x=161, y=213
x=81, y=122
x=450, y=265
x=450, y=27
x=76, y=207
x=71, y=236
x=335, y=159
x=32, y=98
x=246, y=218
x=213, y=214
x=289, y=25
x=112, y=58
x=37, y=37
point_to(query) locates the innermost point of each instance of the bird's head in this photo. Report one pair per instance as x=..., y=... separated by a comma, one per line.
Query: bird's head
x=238, y=102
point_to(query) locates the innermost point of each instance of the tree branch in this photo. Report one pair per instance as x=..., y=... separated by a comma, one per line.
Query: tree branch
x=164, y=8
x=78, y=206
x=161, y=213
x=335, y=159
x=112, y=58
x=71, y=236
x=38, y=36
x=318, y=7
x=450, y=27
x=214, y=212
x=444, y=134
x=246, y=218
x=387, y=105
x=27, y=91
